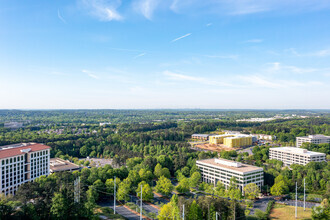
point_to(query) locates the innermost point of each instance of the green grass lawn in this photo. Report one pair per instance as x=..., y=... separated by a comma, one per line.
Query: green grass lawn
x=284, y=212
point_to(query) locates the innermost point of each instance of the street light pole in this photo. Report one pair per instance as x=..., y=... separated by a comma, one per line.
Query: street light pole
x=304, y=195
x=296, y=199
x=141, y=205
x=114, y=198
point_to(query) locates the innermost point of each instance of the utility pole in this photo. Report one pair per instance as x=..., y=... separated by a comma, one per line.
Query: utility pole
x=114, y=198
x=216, y=215
x=141, y=205
x=296, y=199
x=183, y=212
x=77, y=190
x=208, y=209
x=234, y=210
x=304, y=195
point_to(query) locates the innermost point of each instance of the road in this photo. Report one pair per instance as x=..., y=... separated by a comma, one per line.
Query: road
x=261, y=204
x=121, y=210
x=300, y=203
x=146, y=206
x=248, y=150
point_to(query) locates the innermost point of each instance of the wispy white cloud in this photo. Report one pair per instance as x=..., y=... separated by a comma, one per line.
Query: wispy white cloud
x=246, y=7
x=209, y=24
x=222, y=56
x=319, y=53
x=102, y=9
x=60, y=16
x=125, y=49
x=146, y=7
x=187, y=78
x=90, y=74
x=179, y=38
x=254, y=41
x=138, y=90
x=139, y=55
x=277, y=67
x=322, y=53
x=261, y=81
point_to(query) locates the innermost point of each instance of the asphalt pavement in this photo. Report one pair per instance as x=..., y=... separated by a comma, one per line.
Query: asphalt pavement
x=261, y=204
x=145, y=206
x=121, y=210
x=300, y=203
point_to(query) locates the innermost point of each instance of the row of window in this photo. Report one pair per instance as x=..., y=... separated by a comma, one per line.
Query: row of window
x=12, y=160
x=21, y=158
x=39, y=153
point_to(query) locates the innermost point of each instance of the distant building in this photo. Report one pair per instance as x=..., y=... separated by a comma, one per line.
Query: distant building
x=13, y=125
x=218, y=139
x=215, y=170
x=254, y=138
x=264, y=137
x=314, y=139
x=204, y=137
x=238, y=141
x=293, y=155
x=21, y=163
x=58, y=164
x=105, y=123
x=231, y=140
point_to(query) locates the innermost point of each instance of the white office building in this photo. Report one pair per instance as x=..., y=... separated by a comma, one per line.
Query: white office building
x=314, y=139
x=20, y=163
x=293, y=155
x=215, y=170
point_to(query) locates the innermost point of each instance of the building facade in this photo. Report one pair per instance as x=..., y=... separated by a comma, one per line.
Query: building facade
x=20, y=163
x=238, y=141
x=204, y=137
x=264, y=137
x=293, y=155
x=314, y=139
x=218, y=139
x=222, y=170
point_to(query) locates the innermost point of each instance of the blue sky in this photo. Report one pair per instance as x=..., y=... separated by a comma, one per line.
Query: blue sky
x=165, y=54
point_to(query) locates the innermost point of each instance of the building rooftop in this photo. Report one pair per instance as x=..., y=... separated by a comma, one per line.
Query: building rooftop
x=20, y=149
x=222, y=135
x=315, y=136
x=201, y=135
x=58, y=164
x=296, y=150
x=230, y=165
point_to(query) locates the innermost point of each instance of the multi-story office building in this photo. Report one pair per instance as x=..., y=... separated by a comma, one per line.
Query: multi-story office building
x=232, y=140
x=293, y=155
x=218, y=139
x=215, y=170
x=238, y=141
x=20, y=163
x=204, y=137
x=314, y=139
